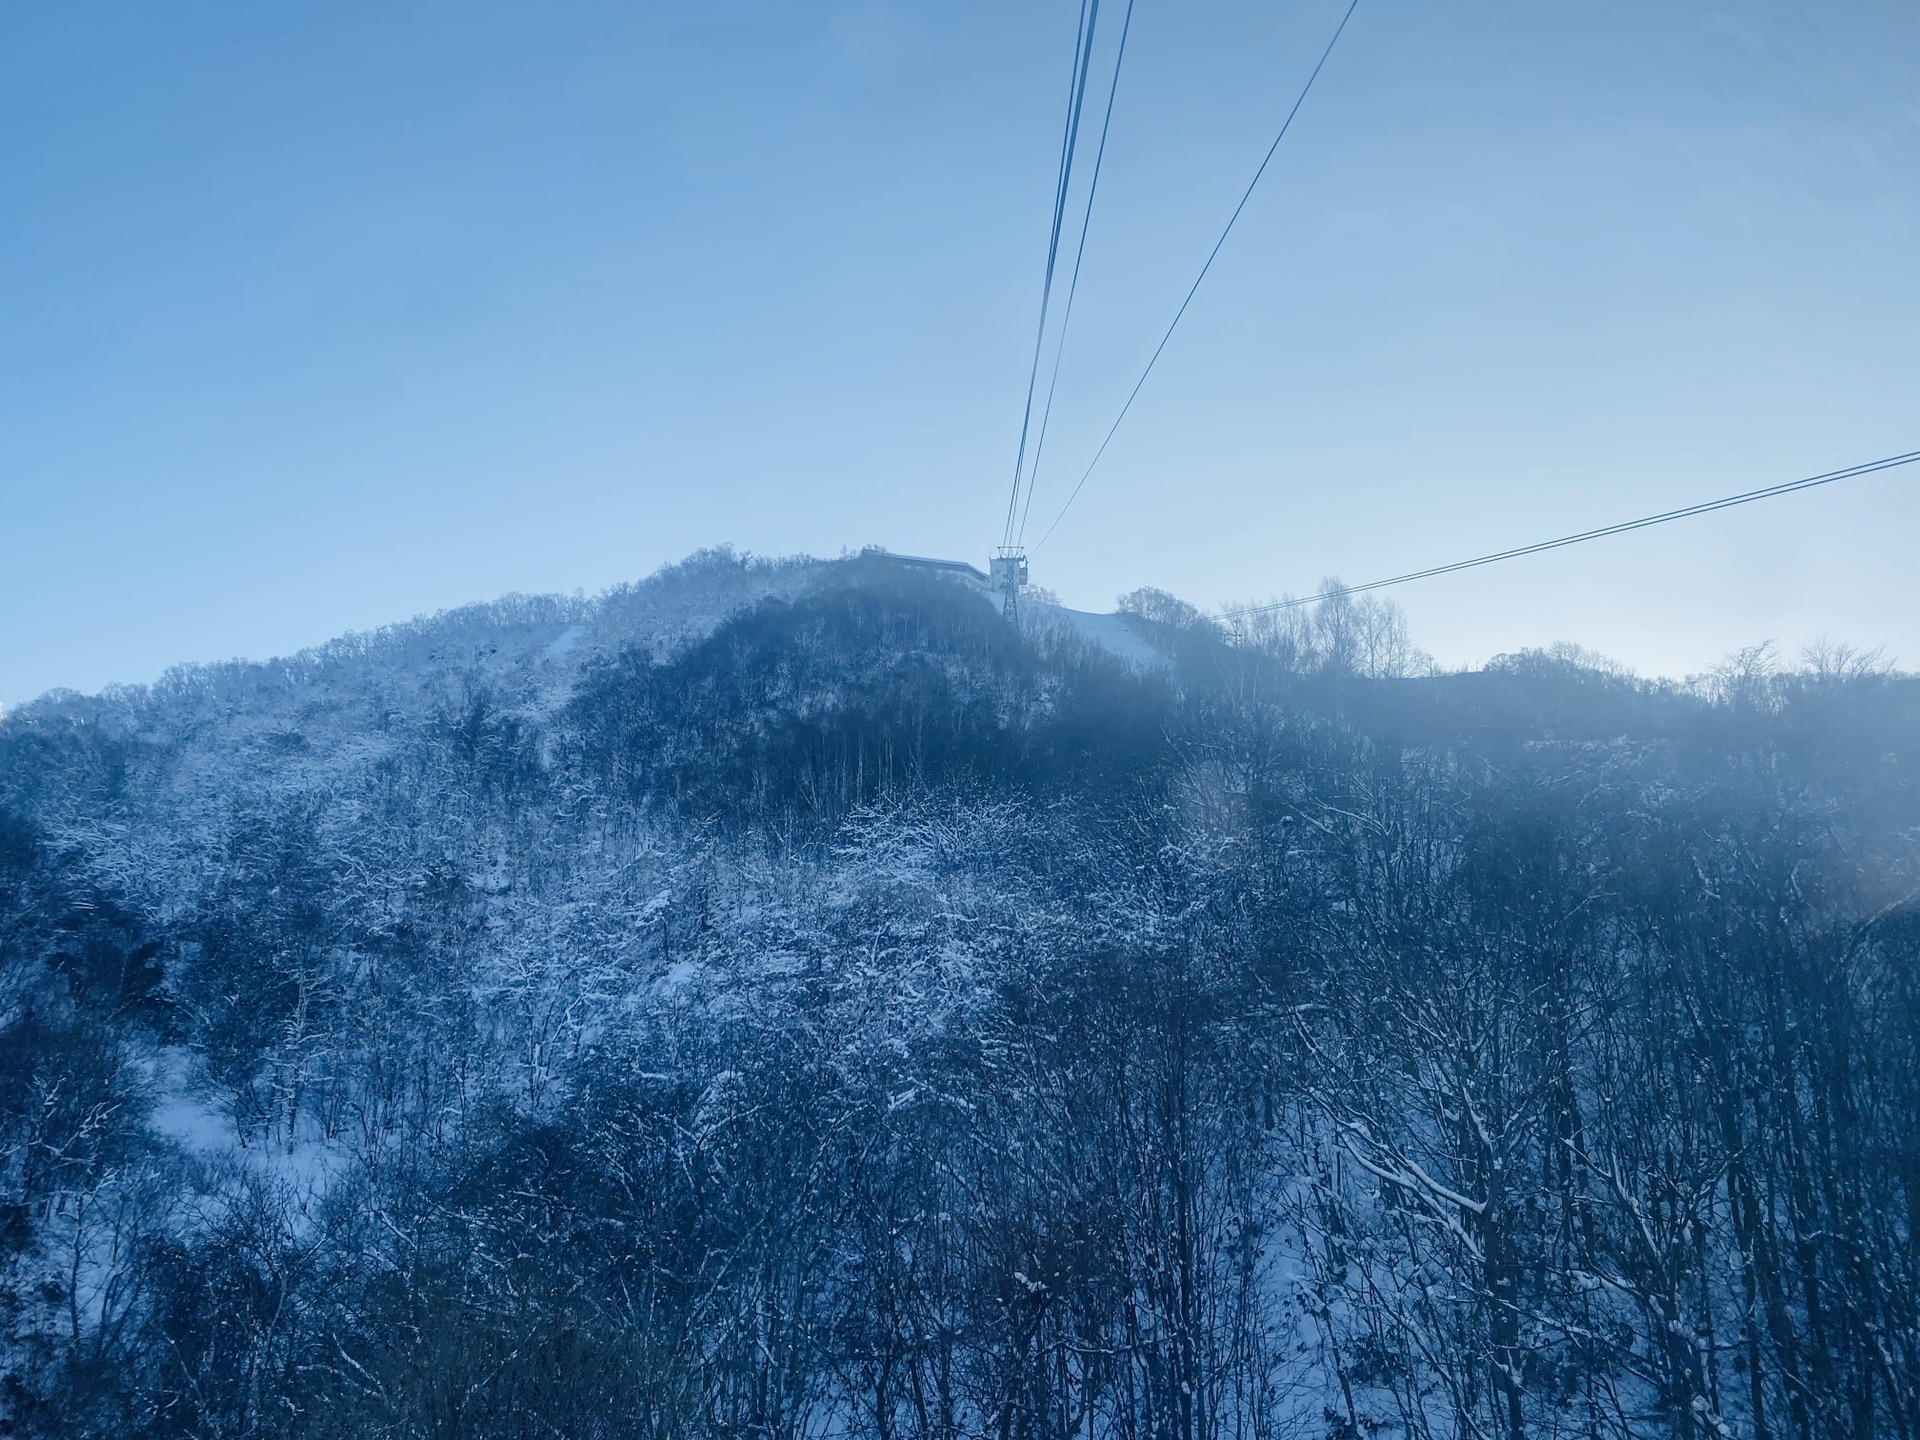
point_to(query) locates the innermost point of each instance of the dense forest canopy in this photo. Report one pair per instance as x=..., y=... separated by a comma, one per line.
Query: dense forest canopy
x=788, y=1000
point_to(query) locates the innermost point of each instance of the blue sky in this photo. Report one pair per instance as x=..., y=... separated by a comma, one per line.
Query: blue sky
x=318, y=317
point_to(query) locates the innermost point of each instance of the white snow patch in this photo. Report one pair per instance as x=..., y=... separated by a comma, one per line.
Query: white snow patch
x=568, y=638
x=192, y=1124
x=1110, y=632
x=678, y=976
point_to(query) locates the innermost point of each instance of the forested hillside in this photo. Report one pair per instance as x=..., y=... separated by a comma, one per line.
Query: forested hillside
x=787, y=1000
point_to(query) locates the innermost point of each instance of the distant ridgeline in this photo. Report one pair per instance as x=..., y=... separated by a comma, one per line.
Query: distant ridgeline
x=787, y=999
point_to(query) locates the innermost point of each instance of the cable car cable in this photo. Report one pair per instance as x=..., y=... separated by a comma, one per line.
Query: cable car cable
x=1706, y=507
x=1076, y=97
x=1073, y=286
x=1248, y=195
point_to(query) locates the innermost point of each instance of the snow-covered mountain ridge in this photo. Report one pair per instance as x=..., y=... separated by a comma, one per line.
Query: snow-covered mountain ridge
x=784, y=998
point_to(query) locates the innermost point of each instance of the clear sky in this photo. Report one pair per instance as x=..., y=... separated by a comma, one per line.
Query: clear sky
x=314, y=317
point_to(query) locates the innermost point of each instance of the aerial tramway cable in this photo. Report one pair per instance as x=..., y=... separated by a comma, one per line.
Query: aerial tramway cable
x=1017, y=513
x=1080, y=251
x=1194, y=288
x=1076, y=97
x=1705, y=507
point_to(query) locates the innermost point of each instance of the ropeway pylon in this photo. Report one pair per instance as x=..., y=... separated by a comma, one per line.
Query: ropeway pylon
x=1007, y=572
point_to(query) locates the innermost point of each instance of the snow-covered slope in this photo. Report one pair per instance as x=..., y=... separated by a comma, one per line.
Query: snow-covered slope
x=786, y=1000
